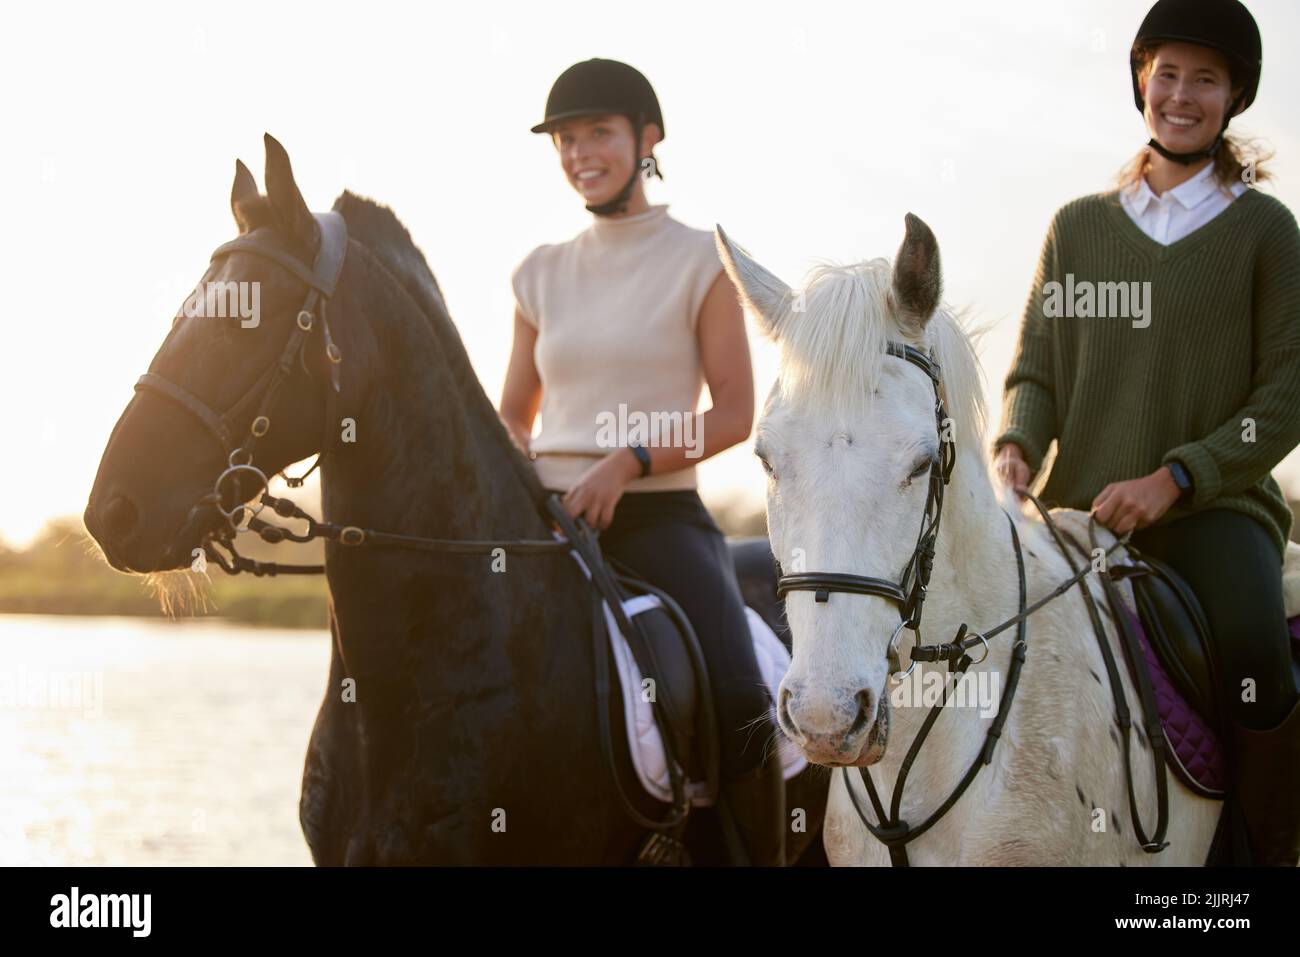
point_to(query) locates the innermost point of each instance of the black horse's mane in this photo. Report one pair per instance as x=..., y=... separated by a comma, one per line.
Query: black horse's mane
x=377, y=228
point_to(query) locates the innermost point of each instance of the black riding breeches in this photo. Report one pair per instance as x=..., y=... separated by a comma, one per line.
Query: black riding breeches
x=670, y=540
x=1232, y=564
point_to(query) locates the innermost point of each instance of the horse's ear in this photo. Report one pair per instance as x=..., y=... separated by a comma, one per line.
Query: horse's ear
x=918, y=280
x=244, y=191
x=287, y=205
x=766, y=296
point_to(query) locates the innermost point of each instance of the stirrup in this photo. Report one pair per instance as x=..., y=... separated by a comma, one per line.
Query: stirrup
x=661, y=850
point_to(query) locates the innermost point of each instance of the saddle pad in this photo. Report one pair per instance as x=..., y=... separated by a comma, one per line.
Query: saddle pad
x=644, y=741
x=1195, y=751
x=643, y=738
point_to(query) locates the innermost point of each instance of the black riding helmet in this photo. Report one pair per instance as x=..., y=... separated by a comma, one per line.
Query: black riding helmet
x=1223, y=25
x=594, y=87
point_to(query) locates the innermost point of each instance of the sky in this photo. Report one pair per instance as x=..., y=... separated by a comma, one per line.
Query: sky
x=807, y=131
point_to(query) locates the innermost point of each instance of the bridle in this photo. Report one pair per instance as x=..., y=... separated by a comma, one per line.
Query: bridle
x=909, y=592
x=320, y=280
x=909, y=595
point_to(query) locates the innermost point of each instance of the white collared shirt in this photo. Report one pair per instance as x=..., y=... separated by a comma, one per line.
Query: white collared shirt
x=1181, y=210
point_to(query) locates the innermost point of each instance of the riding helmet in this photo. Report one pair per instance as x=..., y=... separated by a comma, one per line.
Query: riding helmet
x=599, y=86
x=1223, y=25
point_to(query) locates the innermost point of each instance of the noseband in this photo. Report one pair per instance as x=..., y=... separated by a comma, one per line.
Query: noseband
x=909, y=592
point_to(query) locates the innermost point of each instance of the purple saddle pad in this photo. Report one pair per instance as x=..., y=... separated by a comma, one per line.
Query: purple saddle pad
x=1195, y=751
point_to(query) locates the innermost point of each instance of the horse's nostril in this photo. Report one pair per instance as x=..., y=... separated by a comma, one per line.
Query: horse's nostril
x=783, y=709
x=866, y=703
x=119, y=517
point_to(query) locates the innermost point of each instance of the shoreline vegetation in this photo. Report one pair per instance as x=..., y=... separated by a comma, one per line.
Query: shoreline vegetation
x=62, y=573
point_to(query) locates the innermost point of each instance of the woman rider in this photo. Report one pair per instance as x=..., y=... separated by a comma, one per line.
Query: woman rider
x=618, y=328
x=1168, y=425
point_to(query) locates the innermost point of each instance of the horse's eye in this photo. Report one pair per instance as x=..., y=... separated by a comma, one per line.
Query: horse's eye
x=921, y=469
x=766, y=467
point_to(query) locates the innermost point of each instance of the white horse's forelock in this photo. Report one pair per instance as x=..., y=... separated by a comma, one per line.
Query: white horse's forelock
x=832, y=354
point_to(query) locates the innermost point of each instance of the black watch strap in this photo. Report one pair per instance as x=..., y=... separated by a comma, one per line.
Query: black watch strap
x=643, y=457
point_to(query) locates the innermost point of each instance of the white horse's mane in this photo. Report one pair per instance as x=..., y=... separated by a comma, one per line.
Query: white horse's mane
x=832, y=354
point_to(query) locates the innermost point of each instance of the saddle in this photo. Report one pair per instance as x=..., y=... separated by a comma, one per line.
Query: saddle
x=666, y=666
x=675, y=680
x=651, y=678
x=1165, y=619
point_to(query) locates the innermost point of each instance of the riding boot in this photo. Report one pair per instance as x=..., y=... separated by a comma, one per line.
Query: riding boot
x=756, y=802
x=1267, y=785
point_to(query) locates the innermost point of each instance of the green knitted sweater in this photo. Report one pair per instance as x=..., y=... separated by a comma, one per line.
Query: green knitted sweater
x=1208, y=376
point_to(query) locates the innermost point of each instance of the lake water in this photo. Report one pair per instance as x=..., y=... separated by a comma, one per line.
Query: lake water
x=131, y=742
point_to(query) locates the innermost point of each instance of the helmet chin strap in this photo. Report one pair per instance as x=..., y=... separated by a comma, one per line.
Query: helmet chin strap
x=619, y=203
x=1187, y=159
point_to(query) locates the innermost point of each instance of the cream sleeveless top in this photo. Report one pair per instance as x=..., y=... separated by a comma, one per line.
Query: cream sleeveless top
x=616, y=310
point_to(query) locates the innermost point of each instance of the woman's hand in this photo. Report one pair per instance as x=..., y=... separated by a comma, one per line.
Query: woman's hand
x=597, y=492
x=1012, y=468
x=1137, y=503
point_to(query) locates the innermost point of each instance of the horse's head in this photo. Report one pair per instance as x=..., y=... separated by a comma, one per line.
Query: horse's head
x=153, y=499
x=849, y=440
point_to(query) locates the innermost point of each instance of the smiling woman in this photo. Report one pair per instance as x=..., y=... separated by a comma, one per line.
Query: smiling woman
x=590, y=114
x=1187, y=91
x=623, y=324
x=1187, y=471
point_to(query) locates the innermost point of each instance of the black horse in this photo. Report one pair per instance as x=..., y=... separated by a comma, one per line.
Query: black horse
x=458, y=724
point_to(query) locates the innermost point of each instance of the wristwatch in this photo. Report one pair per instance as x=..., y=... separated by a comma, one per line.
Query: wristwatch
x=643, y=457
x=1182, y=478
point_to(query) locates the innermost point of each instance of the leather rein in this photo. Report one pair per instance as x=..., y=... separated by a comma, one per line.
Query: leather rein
x=909, y=595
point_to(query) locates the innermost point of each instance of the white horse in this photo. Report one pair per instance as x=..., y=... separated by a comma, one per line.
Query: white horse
x=847, y=437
